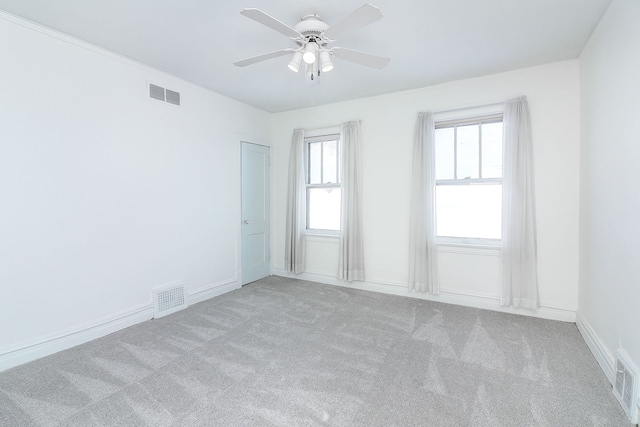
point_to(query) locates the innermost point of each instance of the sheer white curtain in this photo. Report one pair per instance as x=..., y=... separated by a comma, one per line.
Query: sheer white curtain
x=351, y=254
x=519, y=265
x=294, y=257
x=422, y=237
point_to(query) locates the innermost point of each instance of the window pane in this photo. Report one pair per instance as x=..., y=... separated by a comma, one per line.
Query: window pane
x=330, y=162
x=468, y=152
x=473, y=211
x=492, y=150
x=324, y=208
x=315, y=162
x=445, y=157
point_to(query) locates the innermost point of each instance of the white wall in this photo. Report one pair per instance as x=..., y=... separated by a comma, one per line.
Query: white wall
x=609, y=301
x=104, y=192
x=468, y=276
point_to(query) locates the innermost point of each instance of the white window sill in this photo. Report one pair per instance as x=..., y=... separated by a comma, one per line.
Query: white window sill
x=469, y=244
x=322, y=233
x=469, y=248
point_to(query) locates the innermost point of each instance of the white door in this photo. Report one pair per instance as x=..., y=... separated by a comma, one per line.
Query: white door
x=256, y=254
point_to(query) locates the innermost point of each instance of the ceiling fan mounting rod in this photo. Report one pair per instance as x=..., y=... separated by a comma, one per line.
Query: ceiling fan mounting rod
x=313, y=39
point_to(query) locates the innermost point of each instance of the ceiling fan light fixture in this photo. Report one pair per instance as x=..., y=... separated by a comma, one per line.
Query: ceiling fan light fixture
x=325, y=61
x=310, y=53
x=294, y=64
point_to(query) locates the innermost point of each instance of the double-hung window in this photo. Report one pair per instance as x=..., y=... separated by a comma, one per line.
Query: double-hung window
x=469, y=180
x=322, y=154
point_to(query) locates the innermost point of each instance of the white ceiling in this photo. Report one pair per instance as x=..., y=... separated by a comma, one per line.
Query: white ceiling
x=428, y=41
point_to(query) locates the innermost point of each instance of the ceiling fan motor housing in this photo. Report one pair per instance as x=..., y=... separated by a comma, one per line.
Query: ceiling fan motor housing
x=312, y=28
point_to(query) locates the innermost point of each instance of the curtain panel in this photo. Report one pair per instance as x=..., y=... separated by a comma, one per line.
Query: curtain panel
x=519, y=246
x=351, y=252
x=294, y=257
x=422, y=226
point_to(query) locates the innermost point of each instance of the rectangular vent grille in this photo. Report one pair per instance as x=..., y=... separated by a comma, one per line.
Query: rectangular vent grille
x=156, y=92
x=173, y=97
x=165, y=95
x=626, y=384
x=169, y=299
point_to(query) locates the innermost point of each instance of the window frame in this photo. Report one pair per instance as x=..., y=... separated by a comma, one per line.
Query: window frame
x=478, y=119
x=327, y=135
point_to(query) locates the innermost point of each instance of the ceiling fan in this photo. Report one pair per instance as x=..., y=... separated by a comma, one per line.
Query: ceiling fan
x=312, y=37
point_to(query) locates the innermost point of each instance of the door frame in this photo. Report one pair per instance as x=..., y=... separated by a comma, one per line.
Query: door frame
x=256, y=140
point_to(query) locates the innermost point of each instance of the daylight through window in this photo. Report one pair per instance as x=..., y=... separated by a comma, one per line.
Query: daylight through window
x=469, y=180
x=323, y=182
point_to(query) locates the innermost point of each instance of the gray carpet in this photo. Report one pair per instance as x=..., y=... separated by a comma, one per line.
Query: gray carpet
x=291, y=353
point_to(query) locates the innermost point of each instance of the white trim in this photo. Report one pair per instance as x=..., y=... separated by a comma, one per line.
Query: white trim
x=82, y=44
x=241, y=139
x=487, y=302
x=604, y=358
x=67, y=38
x=320, y=232
x=213, y=290
x=313, y=236
x=468, y=112
x=35, y=349
x=330, y=130
x=469, y=241
x=252, y=139
x=469, y=249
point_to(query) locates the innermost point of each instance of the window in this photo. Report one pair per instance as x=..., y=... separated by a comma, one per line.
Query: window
x=323, y=183
x=469, y=180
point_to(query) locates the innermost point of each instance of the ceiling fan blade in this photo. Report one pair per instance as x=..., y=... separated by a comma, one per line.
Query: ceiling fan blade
x=362, y=58
x=271, y=22
x=357, y=19
x=262, y=57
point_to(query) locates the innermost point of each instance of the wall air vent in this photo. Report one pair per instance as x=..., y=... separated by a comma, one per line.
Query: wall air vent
x=173, y=97
x=625, y=388
x=156, y=92
x=169, y=299
x=162, y=94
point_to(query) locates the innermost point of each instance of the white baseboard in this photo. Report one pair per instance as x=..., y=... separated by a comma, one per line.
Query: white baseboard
x=445, y=296
x=32, y=350
x=212, y=290
x=28, y=351
x=604, y=358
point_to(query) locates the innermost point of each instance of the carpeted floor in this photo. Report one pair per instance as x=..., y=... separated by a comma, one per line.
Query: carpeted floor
x=284, y=352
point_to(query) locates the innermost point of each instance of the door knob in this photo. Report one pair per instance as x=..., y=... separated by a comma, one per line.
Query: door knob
x=246, y=221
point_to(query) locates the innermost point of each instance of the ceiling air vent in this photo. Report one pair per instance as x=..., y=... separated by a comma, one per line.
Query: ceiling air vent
x=626, y=386
x=165, y=95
